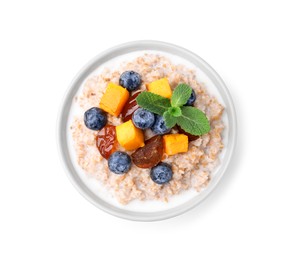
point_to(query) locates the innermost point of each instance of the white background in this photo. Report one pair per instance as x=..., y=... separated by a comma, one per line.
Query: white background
x=45, y=43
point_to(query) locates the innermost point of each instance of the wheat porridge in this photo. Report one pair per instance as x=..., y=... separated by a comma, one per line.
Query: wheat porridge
x=150, y=130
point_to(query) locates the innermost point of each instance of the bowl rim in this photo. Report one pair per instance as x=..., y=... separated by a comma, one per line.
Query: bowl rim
x=62, y=142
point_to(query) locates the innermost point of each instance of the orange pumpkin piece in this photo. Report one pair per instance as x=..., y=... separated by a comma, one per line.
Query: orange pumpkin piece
x=160, y=87
x=129, y=136
x=114, y=99
x=175, y=143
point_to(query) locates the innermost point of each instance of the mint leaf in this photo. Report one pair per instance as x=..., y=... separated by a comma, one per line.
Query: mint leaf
x=181, y=95
x=169, y=119
x=153, y=102
x=193, y=121
x=175, y=111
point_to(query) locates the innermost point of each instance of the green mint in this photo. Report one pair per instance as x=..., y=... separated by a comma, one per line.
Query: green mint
x=170, y=120
x=153, y=102
x=190, y=119
x=175, y=111
x=181, y=94
x=193, y=121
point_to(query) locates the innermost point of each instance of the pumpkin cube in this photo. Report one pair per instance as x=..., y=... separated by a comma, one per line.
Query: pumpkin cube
x=114, y=99
x=129, y=136
x=160, y=87
x=175, y=143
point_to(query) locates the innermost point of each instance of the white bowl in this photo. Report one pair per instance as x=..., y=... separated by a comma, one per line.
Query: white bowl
x=208, y=76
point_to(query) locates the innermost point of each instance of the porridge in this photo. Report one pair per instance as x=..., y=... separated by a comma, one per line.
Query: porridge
x=132, y=152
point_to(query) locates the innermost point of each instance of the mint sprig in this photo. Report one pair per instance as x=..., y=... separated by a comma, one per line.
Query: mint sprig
x=180, y=95
x=169, y=119
x=175, y=111
x=190, y=119
x=153, y=102
x=193, y=121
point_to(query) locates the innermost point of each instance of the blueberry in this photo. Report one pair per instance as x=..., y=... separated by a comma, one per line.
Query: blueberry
x=159, y=126
x=119, y=162
x=162, y=173
x=130, y=80
x=95, y=118
x=191, y=99
x=143, y=118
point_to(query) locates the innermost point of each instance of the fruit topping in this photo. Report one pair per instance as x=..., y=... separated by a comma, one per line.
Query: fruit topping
x=130, y=80
x=174, y=111
x=114, y=99
x=119, y=162
x=129, y=136
x=192, y=99
x=160, y=87
x=159, y=127
x=162, y=173
x=149, y=155
x=143, y=118
x=130, y=107
x=175, y=143
x=95, y=118
x=106, y=141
